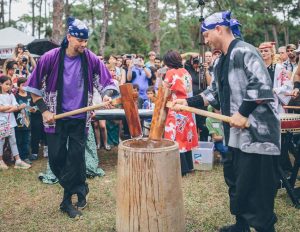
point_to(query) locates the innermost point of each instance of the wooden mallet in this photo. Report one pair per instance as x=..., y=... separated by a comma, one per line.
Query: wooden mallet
x=114, y=102
x=131, y=110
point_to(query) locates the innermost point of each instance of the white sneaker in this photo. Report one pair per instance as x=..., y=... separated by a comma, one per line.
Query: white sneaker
x=22, y=165
x=45, y=151
x=3, y=165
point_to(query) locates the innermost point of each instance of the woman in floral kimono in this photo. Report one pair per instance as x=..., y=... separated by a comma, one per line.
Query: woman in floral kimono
x=180, y=126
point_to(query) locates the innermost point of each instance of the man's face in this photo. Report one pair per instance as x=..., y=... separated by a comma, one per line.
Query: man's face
x=290, y=52
x=208, y=57
x=211, y=38
x=157, y=63
x=283, y=54
x=77, y=44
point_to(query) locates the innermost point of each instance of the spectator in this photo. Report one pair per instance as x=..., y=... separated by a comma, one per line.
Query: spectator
x=8, y=105
x=157, y=62
x=151, y=62
x=23, y=121
x=283, y=54
x=216, y=132
x=149, y=105
x=180, y=126
x=21, y=52
x=139, y=74
x=139, y=100
x=282, y=85
x=290, y=64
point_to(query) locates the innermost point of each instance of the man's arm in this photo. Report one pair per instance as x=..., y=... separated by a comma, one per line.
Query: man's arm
x=48, y=116
x=296, y=92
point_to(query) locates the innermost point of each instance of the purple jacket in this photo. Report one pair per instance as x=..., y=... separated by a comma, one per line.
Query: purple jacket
x=44, y=77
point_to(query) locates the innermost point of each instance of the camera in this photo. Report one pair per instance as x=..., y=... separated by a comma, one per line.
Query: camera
x=136, y=61
x=128, y=56
x=25, y=49
x=17, y=71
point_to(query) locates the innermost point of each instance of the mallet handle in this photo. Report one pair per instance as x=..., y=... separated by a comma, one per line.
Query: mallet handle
x=88, y=108
x=292, y=107
x=204, y=113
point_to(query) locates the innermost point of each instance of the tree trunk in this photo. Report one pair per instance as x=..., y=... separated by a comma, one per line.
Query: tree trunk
x=9, y=13
x=104, y=27
x=275, y=35
x=178, y=23
x=154, y=25
x=33, y=16
x=93, y=14
x=40, y=18
x=2, y=14
x=58, y=12
x=267, y=37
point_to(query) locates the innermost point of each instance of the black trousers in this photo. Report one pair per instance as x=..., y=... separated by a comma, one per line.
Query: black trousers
x=37, y=132
x=66, y=151
x=252, y=180
x=186, y=162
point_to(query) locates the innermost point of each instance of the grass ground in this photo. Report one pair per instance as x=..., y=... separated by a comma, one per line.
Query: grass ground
x=28, y=205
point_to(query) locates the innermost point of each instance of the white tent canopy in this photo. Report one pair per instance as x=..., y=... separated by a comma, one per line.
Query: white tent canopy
x=10, y=37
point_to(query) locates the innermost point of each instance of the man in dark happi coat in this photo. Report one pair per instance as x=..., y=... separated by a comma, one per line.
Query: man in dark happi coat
x=242, y=89
x=63, y=81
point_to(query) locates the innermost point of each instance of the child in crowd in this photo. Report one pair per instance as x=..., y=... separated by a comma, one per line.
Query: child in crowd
x=215, y=129
x=8, y=105
x=139, y=100
x=149, y=105
x=23, y=121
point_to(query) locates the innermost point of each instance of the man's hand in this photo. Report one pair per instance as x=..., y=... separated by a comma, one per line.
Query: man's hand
x=238, y=121
x=295, y=93
x=176, y=104
x=48, y=117
x=107, y=99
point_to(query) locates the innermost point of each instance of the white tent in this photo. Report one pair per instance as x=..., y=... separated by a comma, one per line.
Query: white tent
x=10, y=37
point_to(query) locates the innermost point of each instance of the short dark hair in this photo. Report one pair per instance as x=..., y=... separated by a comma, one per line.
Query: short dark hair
x=173, y=59
x=136, y=86
x=3, y=79
x=150, y=89
x=10, y=64
x=20, y=81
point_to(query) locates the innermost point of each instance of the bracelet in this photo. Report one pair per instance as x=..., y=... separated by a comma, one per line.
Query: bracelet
x=41, y=105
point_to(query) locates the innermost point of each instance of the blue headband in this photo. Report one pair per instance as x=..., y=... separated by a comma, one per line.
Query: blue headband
x=221, y=19
x=77, y=28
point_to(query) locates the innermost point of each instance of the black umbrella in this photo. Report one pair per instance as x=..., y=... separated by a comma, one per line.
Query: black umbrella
x=40, y=46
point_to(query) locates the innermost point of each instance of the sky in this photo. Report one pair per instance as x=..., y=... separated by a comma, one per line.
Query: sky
x=19, y=8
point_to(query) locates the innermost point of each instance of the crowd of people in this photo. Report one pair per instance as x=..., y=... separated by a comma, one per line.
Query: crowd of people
x=26, y=116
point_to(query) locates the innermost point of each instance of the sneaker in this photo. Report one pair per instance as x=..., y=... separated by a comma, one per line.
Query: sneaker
x=71, y=211
x=22, y=165
x=3, y=165
x=82, y=200
x=27, y=161
x=33, y=157
x=45, y=151
x=107, y=147
x=98, y=146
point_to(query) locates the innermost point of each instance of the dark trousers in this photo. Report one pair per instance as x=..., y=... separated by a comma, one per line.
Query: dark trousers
x=66, y=151
x=203, y=131
x=186, y=162
x=37, y=132
x=252, y=180
x=23, y=143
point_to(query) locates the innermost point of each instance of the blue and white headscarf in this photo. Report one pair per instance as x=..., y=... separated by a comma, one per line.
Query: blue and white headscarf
x=76, y=28
x=221, y=19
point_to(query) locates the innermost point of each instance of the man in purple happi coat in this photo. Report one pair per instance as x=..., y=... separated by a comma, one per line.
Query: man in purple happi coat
x=62, y=81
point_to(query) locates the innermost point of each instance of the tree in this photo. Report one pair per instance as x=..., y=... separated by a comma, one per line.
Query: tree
x=154, y=24
x=58, y=12
x=103, y=32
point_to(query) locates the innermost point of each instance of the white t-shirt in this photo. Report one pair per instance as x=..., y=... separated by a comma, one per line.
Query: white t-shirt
x=8, y=100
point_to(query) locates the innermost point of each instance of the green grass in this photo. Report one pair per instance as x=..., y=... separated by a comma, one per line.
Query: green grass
x=28, y=205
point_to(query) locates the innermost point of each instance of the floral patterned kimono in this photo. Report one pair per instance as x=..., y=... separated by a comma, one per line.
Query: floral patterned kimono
x=180, y=126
